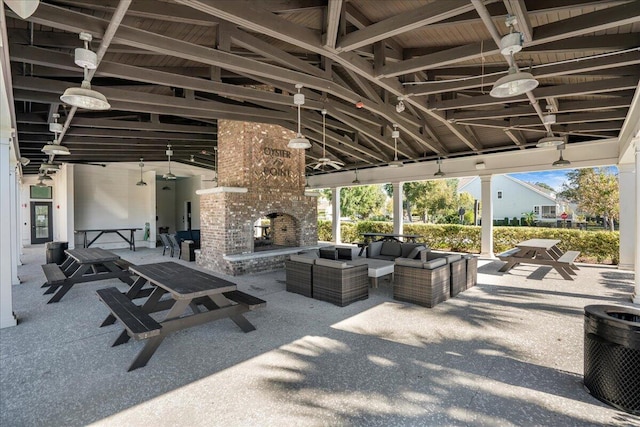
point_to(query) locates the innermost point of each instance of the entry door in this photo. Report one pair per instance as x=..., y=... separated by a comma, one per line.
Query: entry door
x=41, y=222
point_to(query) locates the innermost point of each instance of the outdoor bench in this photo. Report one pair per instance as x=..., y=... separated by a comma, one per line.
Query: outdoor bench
x=139, y=325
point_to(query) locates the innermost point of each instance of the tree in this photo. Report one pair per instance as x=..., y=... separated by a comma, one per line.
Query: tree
x=595, y=191
x=545, y=185
x=362, y=202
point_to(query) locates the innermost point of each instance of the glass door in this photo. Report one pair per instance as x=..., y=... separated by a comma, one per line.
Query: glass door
x=41, y=222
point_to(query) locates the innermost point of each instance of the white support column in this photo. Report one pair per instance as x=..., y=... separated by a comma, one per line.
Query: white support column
x=7, y=318
x=335, y=210
x=13, y=219
x=636, y=295
x=398, y=196
x=486, y=242
x=628, y=215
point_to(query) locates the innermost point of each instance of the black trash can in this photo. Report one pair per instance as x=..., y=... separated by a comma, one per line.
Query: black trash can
x=612, y=355
x=55, y=252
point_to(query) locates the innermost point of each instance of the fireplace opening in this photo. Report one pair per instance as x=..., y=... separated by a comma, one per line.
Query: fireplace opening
x=275, y=231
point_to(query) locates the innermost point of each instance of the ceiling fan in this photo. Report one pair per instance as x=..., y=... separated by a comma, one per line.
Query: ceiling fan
x=324, y=160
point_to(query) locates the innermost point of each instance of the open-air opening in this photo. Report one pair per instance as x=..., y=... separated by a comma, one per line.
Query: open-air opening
x=275, y=231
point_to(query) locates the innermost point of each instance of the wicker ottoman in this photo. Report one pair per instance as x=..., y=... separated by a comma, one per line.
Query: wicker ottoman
x=419, y=285
x=338, y=285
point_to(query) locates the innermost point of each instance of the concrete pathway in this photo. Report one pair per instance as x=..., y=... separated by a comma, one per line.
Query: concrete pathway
x=507, y=352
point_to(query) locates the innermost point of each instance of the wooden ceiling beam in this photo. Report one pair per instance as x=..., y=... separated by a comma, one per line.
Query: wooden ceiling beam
x=333, y=16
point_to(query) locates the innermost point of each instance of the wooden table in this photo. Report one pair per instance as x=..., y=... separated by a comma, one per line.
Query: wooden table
x=540, y=252
x=131, y=240
x=84, y=265
x=195, y=298
x=369, y=237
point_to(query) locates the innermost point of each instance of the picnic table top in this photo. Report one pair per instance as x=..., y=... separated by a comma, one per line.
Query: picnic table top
x=539, y=243
x=91, y=255
x=108, y=230
x=181, y=281
x=391, y=235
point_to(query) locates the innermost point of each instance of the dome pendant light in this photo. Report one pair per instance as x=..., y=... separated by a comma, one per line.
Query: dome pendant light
x=84, y=96
x=439, y=173
x=561, y=161
x=516, y=82
x=550, y=141
x=169, y=175
x=299, y=142
x=54, y=148
x=395, y=134
x=356, y=181
x=141, y=183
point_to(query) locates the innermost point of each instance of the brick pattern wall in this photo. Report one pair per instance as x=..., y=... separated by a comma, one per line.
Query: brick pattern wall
x=255, y=156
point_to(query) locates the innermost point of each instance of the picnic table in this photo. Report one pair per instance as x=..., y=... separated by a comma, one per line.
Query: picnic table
x=83, y=265
x=195, y=298
x=131, y=240
x=541, y=252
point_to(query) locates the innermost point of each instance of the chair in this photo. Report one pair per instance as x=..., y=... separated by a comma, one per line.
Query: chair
x=166, y=244
x=175, y=245
x=339, y=283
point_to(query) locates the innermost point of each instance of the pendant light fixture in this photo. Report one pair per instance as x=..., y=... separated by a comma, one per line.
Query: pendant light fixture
x=169, y=175
x=324, y=160
x=141, y=183
x=561, y=161
x=395, y=134
x=40, y=183
x=84, y=96
x=299, y=142
x=516, y=82
x=439, y=173
x=356, y=181
x=550, y=141
x=54, y=148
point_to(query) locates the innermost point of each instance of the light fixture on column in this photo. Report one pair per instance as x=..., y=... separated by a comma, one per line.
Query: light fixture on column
x=395, y=134
x=169, y=175
x=45, y=177
x=141, y=183
x=439, y=173
x=40, y=183
x=84, y=96
x=400, y=104
x=356, y=181
x=516, y=82
x=24, y=161
x=561, y=161
x=299, y=142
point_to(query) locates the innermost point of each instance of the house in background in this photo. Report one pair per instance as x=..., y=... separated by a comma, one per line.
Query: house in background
x=513, y=198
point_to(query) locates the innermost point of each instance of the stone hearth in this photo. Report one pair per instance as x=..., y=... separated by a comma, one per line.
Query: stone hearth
x=258, y=177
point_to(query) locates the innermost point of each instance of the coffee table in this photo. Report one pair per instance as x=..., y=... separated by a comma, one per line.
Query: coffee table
x=377, y=268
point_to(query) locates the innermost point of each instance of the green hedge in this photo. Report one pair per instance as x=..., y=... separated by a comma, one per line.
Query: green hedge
x=595, y=246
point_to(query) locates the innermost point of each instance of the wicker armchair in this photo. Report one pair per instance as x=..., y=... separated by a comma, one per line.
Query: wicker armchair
x=422, y=283
x=339, y=283
x=472, y=270
x=458, y=267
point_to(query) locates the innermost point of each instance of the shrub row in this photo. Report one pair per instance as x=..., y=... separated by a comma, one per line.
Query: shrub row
x=595, y=246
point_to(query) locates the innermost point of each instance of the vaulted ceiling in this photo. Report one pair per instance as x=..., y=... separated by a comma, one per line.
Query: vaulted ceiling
x=171, y=69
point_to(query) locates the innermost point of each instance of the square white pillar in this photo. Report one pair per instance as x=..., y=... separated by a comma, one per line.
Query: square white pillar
x=628, y=215
x=335, y=211
x=486, y=242
x=398, y=196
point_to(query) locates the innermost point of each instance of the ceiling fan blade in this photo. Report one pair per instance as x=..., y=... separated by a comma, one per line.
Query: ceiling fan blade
x=335, y=165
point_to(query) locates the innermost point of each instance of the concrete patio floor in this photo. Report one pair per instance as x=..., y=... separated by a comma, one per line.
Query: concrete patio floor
x=506, y=352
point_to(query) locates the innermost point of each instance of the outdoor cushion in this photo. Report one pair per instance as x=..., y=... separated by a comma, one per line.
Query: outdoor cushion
x=414, y=252
x=409, y=262
x=449, y=258
x=332, y=263
x=435, y=263
x=302, y=258
x=347, y=253
x=393, y=249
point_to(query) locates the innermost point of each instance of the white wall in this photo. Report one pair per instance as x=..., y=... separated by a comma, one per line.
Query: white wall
x=186, y=192
x=516, y=199
x=109, y=198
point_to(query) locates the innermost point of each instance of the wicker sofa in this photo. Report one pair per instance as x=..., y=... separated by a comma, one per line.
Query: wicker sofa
x=389, y=250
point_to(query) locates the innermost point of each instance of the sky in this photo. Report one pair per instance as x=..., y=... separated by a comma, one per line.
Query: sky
x=553, y=178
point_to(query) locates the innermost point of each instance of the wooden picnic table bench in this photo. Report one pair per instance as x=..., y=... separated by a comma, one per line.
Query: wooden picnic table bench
x=84, y=265
x=196, y=298
x=541, y=252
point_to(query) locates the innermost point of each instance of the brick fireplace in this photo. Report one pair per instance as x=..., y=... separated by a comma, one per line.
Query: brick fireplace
x=260, y=187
